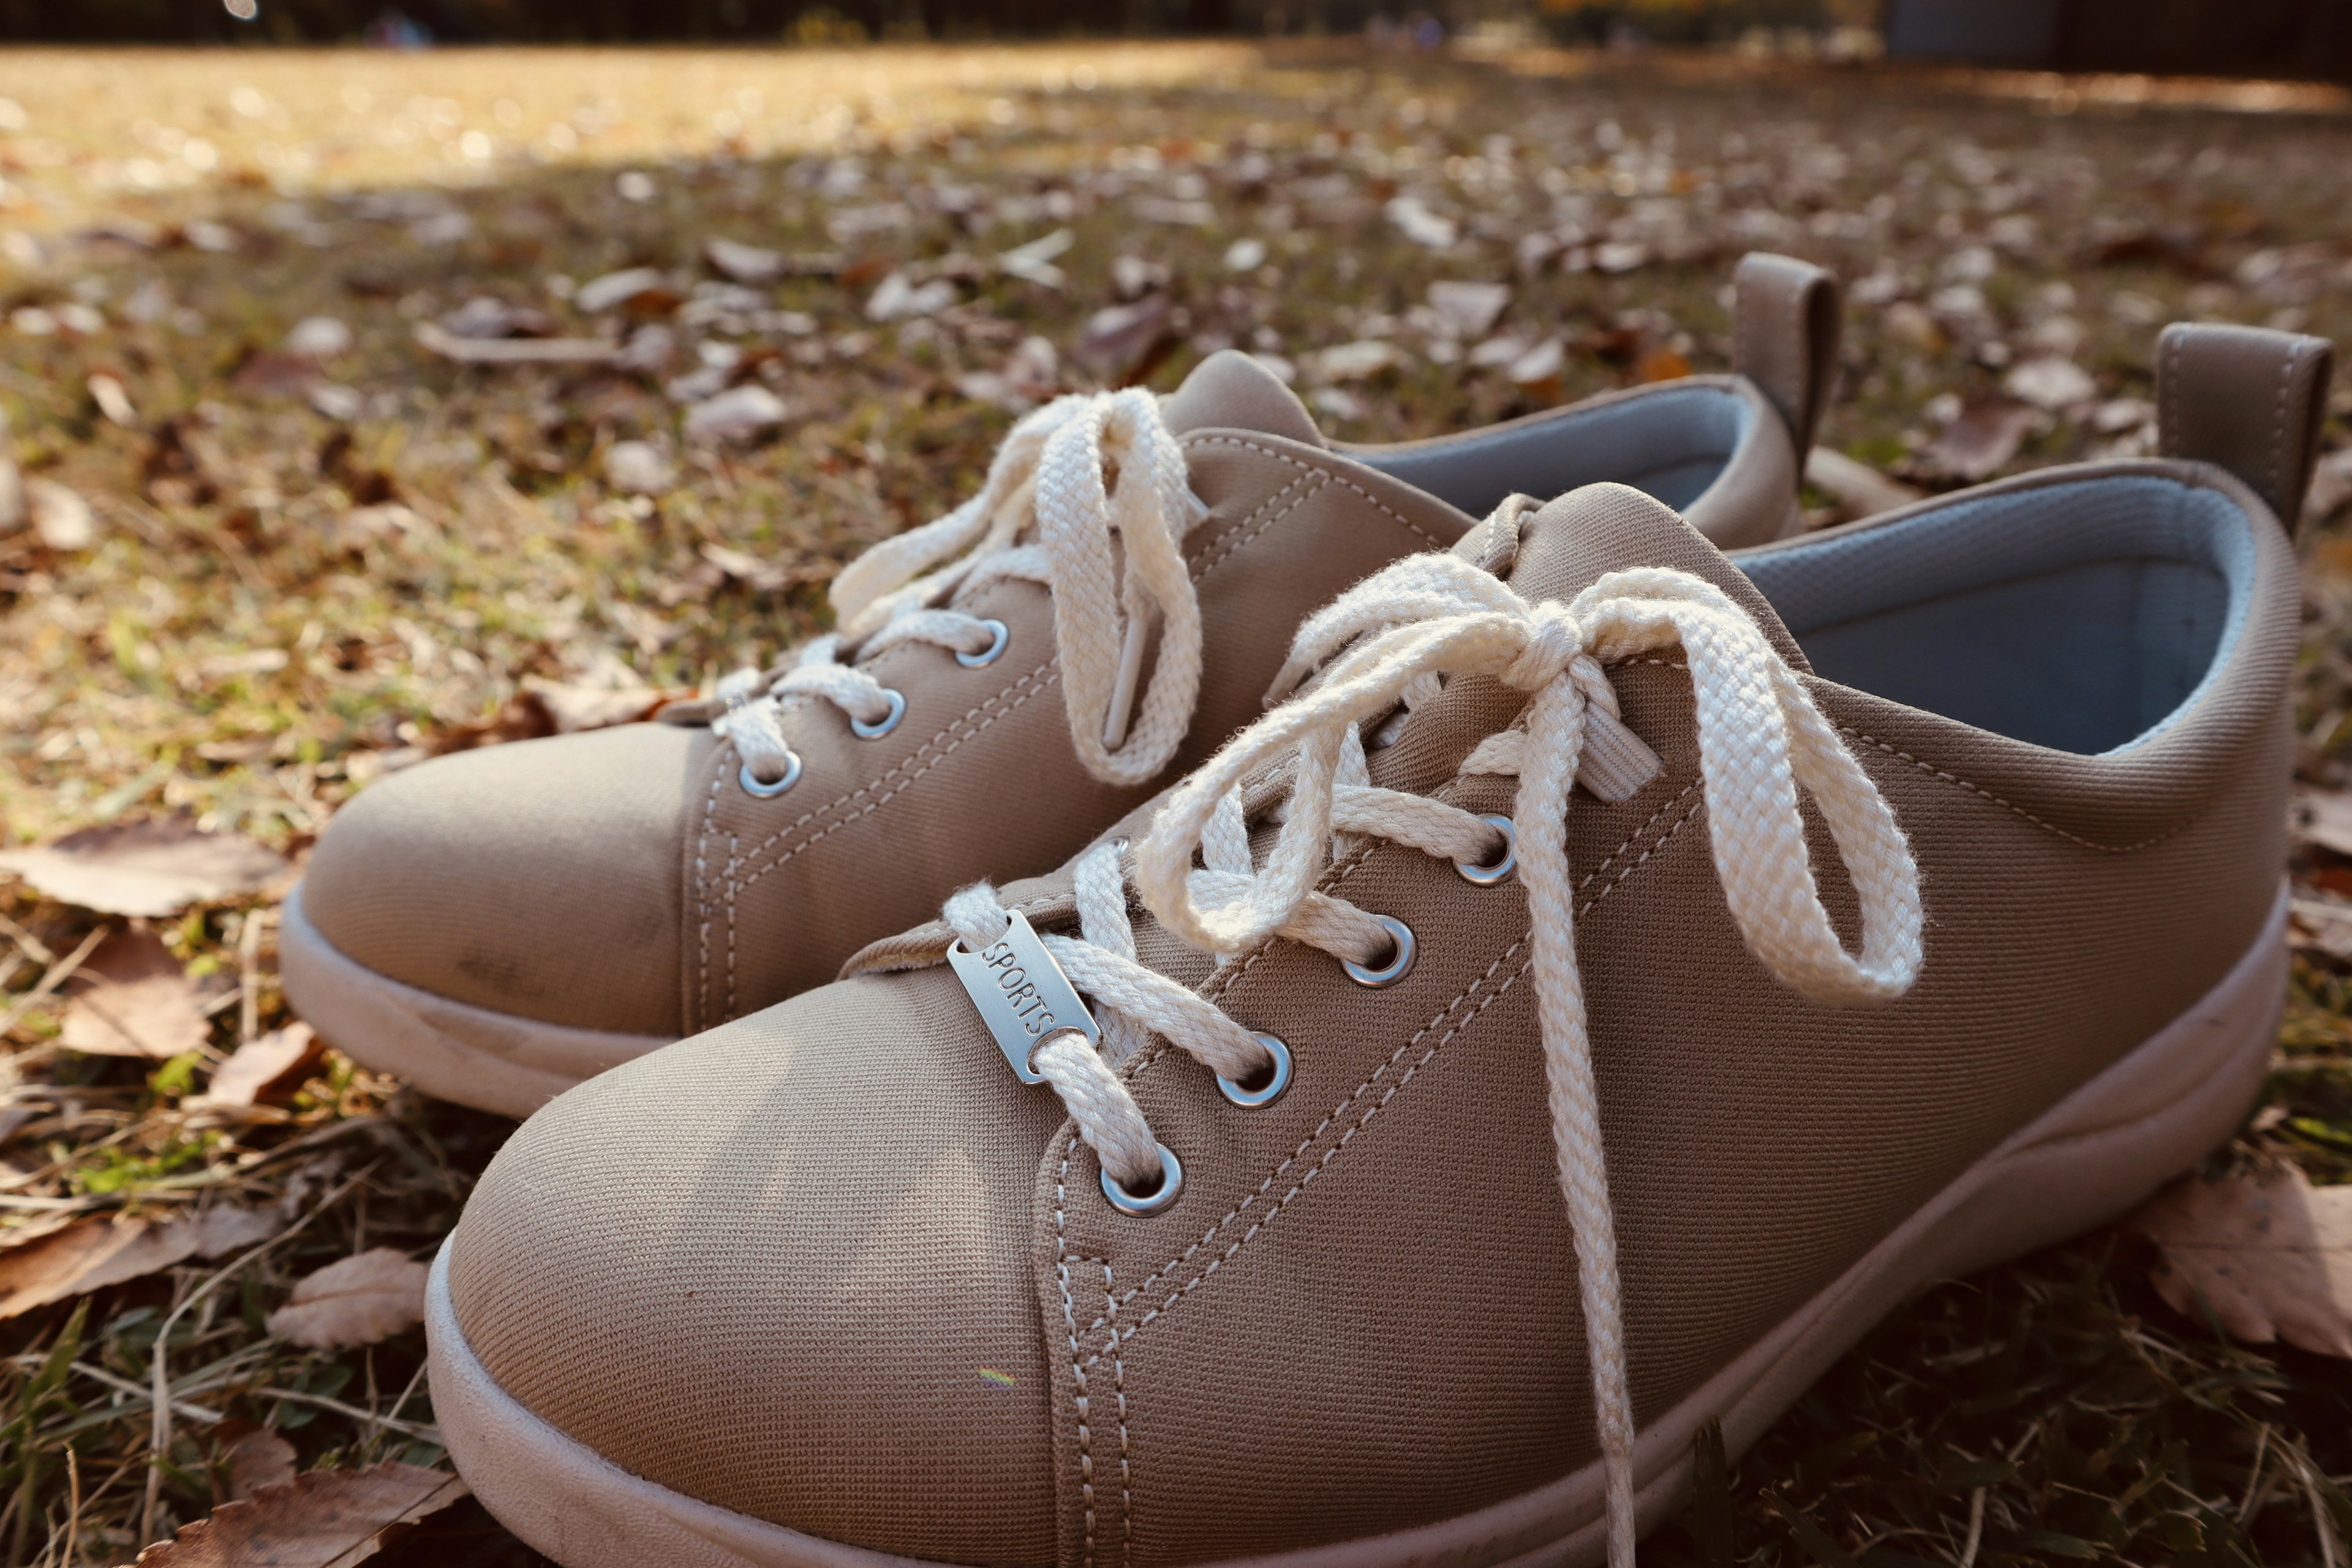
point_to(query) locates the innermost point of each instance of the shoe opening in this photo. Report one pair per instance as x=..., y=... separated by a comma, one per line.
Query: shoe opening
x=1672, y=443
x=2081, y=616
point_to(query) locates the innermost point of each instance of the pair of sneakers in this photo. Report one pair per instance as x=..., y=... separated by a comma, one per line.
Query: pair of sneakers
x=1604, y=977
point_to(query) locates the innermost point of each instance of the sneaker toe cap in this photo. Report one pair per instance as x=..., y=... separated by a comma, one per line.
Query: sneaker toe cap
x=539, y=878
x=786, y=1268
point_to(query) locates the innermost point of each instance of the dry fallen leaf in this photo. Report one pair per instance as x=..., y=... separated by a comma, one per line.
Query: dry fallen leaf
x=515, y=350
x=1985, y=435
x=360, y=1300
x=274, y=1064
x=59, y=516
x=576, y=708
x=2322, y=817
x=1470, y=309
x=131, y=998
x=1123, y=343
x=739, y=414
x=2272, y=1260
x=92, y=1254
x=1861, y=490
x=252, y=1458
x=152, y=866
x=323, y=1520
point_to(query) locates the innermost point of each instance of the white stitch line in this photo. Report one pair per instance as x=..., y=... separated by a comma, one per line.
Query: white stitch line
x=1930, y=768
x=1373, y=501
x=1033, y=685
x=1078, y=1369
x=1232, y=543
x=1242, y=532
x=1118, y=1382
x=1393, y=1090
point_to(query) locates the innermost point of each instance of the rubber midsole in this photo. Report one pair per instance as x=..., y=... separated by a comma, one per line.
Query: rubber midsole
x=2093, y=1156
x=452, y=1050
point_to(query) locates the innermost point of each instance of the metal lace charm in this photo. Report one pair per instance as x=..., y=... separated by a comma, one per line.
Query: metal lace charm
x=1022, y=994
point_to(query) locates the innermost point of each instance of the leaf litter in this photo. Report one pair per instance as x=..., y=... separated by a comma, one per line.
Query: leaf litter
x=250, y=564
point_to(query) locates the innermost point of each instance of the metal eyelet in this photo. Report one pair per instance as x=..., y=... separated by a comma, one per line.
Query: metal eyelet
x=1278, y=1077
x=753, y=784
x=1486, y=873
x=887, y=722
x=998, y=634
x=1172, y=1182
x=1399, y=962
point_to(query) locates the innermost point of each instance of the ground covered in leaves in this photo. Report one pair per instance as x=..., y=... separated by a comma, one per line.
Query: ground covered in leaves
x=365, y=407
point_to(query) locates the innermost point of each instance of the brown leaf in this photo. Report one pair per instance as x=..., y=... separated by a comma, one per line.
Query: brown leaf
x=326, y=1519
x=2323, y=818
x=131, y=998
x=1661, y=365
x=1122, y=344
x=515, y=350
x=252, y=1458
x=1986, y=434
x=267, y=1067
x=361, y=1300
x=577, y=708
x=92, y=1254
x=1859, y=489
x=152, y=866
x=2272, y=1260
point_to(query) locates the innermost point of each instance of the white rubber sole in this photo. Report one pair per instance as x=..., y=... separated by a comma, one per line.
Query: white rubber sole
x=451, y=1050
x=2092, y=1157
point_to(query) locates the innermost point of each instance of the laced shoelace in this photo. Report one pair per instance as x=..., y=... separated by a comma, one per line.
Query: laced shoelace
x=1049, y=479
x=1760, y=740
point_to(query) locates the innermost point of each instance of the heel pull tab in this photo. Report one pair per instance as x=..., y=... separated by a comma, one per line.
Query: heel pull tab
x=2246, y=399
x=1786, y=315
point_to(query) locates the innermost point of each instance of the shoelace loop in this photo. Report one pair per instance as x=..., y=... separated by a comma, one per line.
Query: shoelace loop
x=1047, y=479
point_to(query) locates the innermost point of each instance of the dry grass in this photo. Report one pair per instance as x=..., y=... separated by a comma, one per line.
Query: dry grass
x=248, y=643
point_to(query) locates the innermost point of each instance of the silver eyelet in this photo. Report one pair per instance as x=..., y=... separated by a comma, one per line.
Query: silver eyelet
x=998, y=634
x=1172, y=1182
x=753, y=784
x=1277, y=1079
x=887, y=722
x=1399, y=962
x=1486, y=873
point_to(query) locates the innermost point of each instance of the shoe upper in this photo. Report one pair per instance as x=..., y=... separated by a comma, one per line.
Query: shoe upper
x=629, y=881
x=832, y=1265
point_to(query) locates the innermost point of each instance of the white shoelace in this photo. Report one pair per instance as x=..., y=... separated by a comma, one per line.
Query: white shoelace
x=1760, y=739
x=1047, y=479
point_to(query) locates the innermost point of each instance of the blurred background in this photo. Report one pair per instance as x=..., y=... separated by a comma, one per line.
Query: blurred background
x=2281, y=38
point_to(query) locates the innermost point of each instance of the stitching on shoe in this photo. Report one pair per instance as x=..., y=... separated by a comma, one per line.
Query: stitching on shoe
x=1378, y=1073
x=1118, y=1388
x=1370, y=499
x=1935, y=771
x=1078, y=1368
x=1309, y=484
x=702, y=901
x=1033, y=683
x=2168, y=432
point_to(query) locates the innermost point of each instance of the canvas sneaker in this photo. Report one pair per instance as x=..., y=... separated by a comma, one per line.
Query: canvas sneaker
x=1435, y=1121
x=496, y=925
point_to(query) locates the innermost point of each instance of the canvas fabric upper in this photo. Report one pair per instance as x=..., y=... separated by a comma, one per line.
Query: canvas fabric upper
x=771, y=1265
x=622, y=881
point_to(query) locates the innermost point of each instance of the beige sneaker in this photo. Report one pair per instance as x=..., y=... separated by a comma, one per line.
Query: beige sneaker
x=498, y=925
x=1919, y=901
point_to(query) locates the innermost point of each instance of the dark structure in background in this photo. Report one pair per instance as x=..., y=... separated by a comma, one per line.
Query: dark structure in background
x=2197, y=38
x=2310, y=38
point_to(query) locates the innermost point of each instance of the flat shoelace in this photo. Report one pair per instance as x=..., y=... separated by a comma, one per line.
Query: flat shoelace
x=1046, y=480
x=1760, y=739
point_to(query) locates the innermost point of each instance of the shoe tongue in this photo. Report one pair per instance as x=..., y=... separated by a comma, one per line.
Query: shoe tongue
x=1569, y=544
x=1232, y=391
